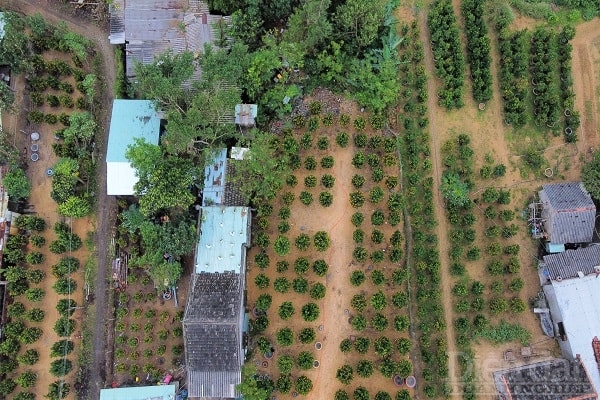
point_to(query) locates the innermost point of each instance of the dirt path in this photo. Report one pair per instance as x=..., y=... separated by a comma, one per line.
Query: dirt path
x=54, y=13
x=586, y=71
x=453, y=373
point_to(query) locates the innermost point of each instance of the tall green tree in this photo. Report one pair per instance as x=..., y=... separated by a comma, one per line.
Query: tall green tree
x=454, y=190
x=164, y=181
x=81, y=129
x=309, y=25
x=17, y=184
x=264, y=169
x=14, y=46
x=75, y=206
x=358, y=22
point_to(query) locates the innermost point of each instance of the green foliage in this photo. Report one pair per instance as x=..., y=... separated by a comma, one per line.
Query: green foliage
x=455, y=191
x=321, y=241
x=590, y=175
x=345, y=374
x=302, y=241
x=61, y=348
x=285, y=337
x=64, y=285
x=35, y=294
x=307, y=335
x=305, y=360
x=447, y=53
x=57, y=390
x=285, y=364
x=503, y=333
x=61, y=367
x=286, y=310
x=64, y=327
x=317, y=291
x=164, y=181
x=303, y=385
x=310, y=312
x=16, y=183
x=282, y=246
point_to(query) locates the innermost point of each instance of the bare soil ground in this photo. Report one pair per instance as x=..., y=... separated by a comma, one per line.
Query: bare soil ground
x=77, y=21
x=333, y=324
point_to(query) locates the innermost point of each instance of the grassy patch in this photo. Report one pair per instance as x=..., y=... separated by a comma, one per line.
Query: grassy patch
x=120, y=84
x=504, y=332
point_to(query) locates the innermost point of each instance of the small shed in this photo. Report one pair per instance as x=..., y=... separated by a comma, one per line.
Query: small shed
x=157, y=392
x=131, y=120
x=568, y=213
x=245, y=114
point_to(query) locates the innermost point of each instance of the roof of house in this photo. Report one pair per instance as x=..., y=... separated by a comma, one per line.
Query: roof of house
x=245, y=114
x=212, y=334
x=568, y=264
x=162, y=392
x=131, y=119
x=556, y=379
x=224, y=231
x=577, y=302
x=569, y=212
x=215, y=298
x=151, y=27
x=219, y=187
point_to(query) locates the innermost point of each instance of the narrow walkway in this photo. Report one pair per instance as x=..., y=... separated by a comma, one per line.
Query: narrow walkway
x=442, y=229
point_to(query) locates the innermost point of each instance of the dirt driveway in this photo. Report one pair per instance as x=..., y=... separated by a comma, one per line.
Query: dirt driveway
x=56, y=12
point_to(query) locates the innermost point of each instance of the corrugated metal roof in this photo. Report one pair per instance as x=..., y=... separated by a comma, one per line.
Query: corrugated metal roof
x=224, y=233
x=162, y=392
x=214, y=180
x=567, y=264
x=568, y=212
x=578, y=303
x=213, y=384
x=131, y=119
x=150, y=27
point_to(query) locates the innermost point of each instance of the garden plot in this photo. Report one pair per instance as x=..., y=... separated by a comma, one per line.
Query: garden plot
x=325, y=295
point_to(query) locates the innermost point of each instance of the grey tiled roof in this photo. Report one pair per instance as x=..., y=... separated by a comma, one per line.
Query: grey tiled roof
x=557, y=379
x=215, y=298
x=232, y=195
x=569, y=212
x=567, y=264
x=212, y=329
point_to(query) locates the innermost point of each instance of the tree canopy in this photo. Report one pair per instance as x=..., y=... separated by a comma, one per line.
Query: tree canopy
x=263, y=171
x=17, y=184
x=455, y=191
x=164, y=180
